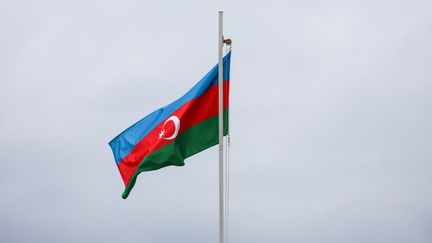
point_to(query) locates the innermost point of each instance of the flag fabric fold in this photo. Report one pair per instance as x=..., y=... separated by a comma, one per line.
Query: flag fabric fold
x=172, y=133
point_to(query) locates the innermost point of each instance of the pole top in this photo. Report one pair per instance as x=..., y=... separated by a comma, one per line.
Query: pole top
x=221, y=11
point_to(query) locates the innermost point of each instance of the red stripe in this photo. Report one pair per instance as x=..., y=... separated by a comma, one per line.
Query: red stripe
x=191, y=113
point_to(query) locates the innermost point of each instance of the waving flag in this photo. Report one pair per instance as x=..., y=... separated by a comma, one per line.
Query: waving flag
x=172, y=133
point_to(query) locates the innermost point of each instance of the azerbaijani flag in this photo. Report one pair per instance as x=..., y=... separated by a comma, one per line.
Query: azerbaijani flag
x=172, y=133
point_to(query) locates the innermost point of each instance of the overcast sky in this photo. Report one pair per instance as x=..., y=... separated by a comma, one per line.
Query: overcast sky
x=330, y=120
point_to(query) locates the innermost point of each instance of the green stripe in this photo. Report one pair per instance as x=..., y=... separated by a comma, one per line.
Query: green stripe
x=193, y=140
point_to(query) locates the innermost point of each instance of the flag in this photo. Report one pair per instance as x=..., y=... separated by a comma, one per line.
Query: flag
x=172, y=133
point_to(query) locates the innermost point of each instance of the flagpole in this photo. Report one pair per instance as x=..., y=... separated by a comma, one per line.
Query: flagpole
x=221, y=144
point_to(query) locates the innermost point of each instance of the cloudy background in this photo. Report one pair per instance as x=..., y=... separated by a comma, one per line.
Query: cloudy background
x=330, y=106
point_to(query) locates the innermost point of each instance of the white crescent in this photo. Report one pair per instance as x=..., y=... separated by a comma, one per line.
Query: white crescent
x=176, y=122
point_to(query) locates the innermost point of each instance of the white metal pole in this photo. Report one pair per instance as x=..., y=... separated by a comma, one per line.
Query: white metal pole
x=221, y=145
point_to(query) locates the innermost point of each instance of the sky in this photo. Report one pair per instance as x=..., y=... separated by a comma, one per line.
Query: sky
x=330, y=120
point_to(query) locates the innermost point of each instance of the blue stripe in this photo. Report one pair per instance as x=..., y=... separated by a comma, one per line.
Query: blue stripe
x=123, y=144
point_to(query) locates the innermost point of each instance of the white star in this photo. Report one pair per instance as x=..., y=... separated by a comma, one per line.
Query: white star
x=161, y=133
